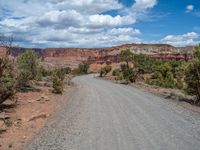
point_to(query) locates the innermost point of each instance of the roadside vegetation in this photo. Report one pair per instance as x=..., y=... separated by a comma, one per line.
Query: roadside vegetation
x=82, y=69
x=181, y=75
x=7, y=71
x=19, y=74
x=105, y=70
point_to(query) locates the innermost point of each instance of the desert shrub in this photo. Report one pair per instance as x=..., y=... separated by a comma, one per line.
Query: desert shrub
x=193, y=75
x=57, y=84
x=83, y=67
x=169, y=80
x=105, y=70
x=39, y=74
x=163, y=76
x=116, y=72
x=168, y=74
x=43, y=71
x=7, y=79
x=7, y=70
x=68, y=70
x=129, y=74
x=60, y=73
x=144, y=63
x=126, y=56
x=75, y=71
x=179, y=69
x=27, y=64
x=58, y=80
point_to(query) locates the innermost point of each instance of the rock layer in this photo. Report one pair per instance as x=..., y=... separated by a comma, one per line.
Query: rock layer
x=73, y=56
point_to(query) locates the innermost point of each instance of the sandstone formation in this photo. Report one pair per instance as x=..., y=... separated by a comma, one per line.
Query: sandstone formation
x=73, y=56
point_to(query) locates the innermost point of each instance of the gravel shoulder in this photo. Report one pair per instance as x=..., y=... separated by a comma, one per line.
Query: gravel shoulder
x=101, y=115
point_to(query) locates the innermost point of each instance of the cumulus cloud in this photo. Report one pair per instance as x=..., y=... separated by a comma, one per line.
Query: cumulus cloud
x=141, y=5
x=189, y=8
x=60, y=19
x=109, y=21
x=191, y=38
x=89, y=6
x=117, y=31
x=77, y=23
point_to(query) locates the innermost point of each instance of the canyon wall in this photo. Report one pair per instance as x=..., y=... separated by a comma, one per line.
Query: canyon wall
x=73, y=56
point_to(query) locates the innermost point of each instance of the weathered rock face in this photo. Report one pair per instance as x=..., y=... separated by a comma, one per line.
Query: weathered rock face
x=156, y=51
x=71, y=53
x=73, y=56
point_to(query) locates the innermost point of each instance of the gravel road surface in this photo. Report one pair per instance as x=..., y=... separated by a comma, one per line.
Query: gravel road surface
x=101, y=115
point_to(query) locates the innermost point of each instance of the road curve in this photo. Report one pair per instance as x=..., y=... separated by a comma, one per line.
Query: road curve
x=101, y=115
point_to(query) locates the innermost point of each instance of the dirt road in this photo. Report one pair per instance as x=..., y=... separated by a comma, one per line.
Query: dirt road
x=100, y=115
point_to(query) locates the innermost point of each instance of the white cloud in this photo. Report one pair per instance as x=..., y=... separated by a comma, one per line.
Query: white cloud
x=189, y=8
x=61, y=19
x=117, y=31
x=191, y=38
x=77, y=23
x=142, y=5
x=109, y=21
x=89, y=6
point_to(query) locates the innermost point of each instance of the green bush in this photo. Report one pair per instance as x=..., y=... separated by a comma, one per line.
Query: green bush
x=7, y=79
x=193, y=75
x=164, y=76
x=44, y=72
x=126, y=56
x=129, y=74
x=58, y=81
x=27, y=64
x=169, y=80
x=75, y=71
x=83, y=67
x=105, y=70
x=57, y=84
x=144, y=63
x=7, y=70
x=68, y=70
x=60, y=73
x=117, y=72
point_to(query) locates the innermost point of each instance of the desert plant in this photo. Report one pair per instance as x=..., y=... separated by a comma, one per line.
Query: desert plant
x=75, y=71
x=7, y=77
x=60, y=73
x=193, y=75
x=43, y=71
x=105, y=70
x=27, y=64
x=126, y=56
x=83, y=67
x=163, y=76
x=144, y=63
x=7, y=82
x=57, y=84
x=116, y=72
x=129, y=74
x=68, y=70
x=58, y=81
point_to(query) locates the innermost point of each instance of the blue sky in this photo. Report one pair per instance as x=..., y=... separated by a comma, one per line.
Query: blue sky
x=100, y=23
